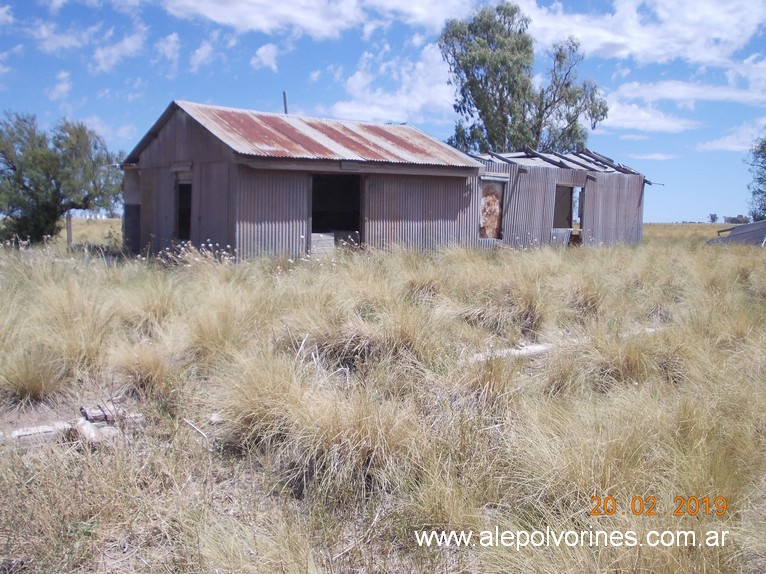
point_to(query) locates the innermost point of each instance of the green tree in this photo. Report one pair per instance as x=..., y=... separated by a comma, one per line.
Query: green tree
x=757, y=187
x=491, y=61
x=44, y=175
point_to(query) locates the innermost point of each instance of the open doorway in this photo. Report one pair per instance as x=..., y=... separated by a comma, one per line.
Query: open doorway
x=563, y=207
x=567, y=215
x=183, y=211
x=336, y=206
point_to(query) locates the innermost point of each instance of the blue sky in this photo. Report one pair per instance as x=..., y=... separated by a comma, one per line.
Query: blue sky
x=685, y=79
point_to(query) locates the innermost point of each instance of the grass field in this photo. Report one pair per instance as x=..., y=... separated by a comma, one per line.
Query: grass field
x=363, y=399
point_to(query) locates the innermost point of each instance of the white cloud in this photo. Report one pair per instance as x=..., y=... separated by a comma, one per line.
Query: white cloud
x=685, y=93
x=4, y=69
x=417, y=40
x=653, y=156
x=6, y=18
x=51, y=41
x=429, y=14
x=696, y=31
x=169, y=48
x=108, y=56
x=109, y=132
x=265, y=57
x=55, y=5
x=739, y=139
x=647, y=118
x=634, y=137
x=314, y=76
x=753, y=70
x=62, y=88
x=319, y=18
x=204, y=54
x=420, y=92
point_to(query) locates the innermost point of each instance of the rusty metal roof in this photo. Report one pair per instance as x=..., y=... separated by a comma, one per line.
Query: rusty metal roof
x=269, y=135
x=584, y=160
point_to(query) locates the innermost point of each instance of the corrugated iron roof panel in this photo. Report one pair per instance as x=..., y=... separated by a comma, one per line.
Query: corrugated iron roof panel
x=748, y=234
x=270, y=135
x=587, y=160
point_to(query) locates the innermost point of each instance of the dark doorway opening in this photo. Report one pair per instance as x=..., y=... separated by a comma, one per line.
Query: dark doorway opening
x=336, y=204
x=183, y=211
x=563, y=207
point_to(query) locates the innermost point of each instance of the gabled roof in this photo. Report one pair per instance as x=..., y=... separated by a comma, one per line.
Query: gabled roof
x=584, y=160
x=268, y=135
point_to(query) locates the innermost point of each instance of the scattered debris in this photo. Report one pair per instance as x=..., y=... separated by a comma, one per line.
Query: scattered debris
x=215, y=419
x=534, y=349
x=97, y=425
x=51, y=429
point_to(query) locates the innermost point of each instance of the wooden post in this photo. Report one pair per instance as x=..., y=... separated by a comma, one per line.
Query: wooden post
x=68, y=229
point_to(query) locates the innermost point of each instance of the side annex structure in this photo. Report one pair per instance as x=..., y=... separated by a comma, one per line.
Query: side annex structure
x=265, y=183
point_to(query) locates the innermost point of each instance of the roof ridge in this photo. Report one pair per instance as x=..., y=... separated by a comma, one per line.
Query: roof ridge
x=181, y=104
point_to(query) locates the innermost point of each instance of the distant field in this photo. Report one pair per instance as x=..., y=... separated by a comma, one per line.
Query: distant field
x=93, y=232
x=364, y=400
x=683, y=233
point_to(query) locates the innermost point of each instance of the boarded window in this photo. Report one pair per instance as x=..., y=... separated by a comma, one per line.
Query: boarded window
x=491, y=226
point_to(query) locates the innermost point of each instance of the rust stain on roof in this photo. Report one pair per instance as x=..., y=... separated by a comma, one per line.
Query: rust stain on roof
x=269, y=135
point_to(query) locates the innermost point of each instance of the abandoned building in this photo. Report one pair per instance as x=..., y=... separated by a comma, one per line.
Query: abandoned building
x=582, y=197
x=265, y=183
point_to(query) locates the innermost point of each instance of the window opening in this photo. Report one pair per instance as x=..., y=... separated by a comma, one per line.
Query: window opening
x=491, y=224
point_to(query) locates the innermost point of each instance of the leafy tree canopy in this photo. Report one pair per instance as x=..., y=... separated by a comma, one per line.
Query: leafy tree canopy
x=44, y=175
x=757, y=187
x=491, y=61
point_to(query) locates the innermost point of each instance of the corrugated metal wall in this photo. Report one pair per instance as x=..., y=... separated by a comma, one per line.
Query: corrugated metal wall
x=613, y=209
x=212, y=194
x=183, y=141
x=419, y=212
x=272, y=212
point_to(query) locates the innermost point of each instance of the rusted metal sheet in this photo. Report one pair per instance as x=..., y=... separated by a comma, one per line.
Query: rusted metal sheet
x=748, y=234
x=266, y=135
x=586, y=160
x=272, y=212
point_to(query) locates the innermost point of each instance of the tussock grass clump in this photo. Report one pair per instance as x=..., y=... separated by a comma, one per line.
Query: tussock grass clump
x=340, y=442
x=363, y=397
x=33, y=373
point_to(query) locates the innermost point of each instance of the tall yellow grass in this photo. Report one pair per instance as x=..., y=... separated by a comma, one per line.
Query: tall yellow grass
x=362, y=398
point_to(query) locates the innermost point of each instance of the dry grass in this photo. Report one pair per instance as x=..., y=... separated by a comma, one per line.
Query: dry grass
x=352, y=411
x=101, y=232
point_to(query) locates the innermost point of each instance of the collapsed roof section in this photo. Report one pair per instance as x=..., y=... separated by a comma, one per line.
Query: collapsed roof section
x=583, y=160
x=747, y=234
